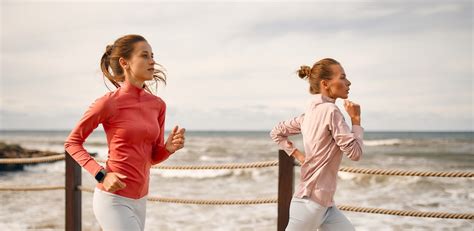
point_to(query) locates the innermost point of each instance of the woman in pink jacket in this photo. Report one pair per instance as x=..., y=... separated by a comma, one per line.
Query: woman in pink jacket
x=133, y=119
x=326, y=136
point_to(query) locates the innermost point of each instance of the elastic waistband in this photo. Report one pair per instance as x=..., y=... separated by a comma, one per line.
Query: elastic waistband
x=98, y=190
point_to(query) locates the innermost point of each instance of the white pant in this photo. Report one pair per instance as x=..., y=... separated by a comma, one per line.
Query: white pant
x=117, y=213
x=307, y=215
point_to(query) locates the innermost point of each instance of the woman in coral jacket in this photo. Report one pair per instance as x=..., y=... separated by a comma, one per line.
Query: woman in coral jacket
x=133, y=119
x=326, y=136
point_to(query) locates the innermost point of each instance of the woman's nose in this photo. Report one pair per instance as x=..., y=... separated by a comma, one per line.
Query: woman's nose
x=348, y=83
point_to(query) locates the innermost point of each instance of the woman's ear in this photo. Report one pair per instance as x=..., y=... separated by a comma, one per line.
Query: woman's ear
x=123, y=63
x=324, y=84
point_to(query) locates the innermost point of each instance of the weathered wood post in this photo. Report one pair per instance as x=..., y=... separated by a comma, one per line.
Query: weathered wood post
x=286, y=183
x=73, y=194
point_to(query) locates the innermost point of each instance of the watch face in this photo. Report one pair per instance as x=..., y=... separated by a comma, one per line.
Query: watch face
x=100, y=176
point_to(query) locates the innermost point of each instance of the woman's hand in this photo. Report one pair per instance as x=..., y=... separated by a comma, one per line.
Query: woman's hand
x=299, y=156
x=175, y=140
x=112, y=181
x=353, y=110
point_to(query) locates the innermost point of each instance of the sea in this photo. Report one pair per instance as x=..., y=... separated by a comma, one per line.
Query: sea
x=424, y=151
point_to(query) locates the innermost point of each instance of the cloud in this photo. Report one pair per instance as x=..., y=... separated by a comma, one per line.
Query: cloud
x=232, y=65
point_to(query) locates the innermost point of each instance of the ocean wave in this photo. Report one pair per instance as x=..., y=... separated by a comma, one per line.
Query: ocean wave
x=217, y=159
x=425, y=184
x=201, y=174
x=53, y=167
x=385, y=142
x=238, y=174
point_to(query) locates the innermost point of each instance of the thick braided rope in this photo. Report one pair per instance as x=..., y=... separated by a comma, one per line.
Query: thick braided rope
x=85, y=189
x=469, y=216
x=32, y=160
x=341, y=207
x=202, y=201
x=31, y=188
x=261, y=164
x=395, y=172
x=387, y=172
x=214, y=202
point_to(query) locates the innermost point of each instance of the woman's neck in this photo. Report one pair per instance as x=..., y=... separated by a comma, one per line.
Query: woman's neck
x=326, y=93
x=135, y=82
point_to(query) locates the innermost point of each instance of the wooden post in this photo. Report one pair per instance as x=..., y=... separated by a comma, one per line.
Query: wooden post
x=73, y=194
x=286, y=175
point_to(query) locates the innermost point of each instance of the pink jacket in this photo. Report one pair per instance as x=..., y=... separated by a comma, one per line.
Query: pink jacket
x=326, y=136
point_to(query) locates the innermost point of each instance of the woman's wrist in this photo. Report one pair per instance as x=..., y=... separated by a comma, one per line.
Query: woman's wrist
x=355, y=120
x=169, y=152
x=298, y=155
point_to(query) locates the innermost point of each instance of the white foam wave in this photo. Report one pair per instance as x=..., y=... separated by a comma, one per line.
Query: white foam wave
x=57, y=166
x=201, y=174
x=385, y=142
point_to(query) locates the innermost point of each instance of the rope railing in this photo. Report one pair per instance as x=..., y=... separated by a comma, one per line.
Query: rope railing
x=395, y=172
x=201, y=201
x=286, y=164
x=444, y=215
x=262, y=164
x=349, y=208
x=17, y=188
x=32, y=160
x=407, y=213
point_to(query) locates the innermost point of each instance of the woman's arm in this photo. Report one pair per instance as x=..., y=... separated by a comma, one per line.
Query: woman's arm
x=162, y=150
x=282, y=130
x=350, y=142
x=97, y=113
x=299, y=156
x=159, y=152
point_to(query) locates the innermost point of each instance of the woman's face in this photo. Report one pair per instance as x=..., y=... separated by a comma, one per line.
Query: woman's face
x=338, y=86
x=141, y=62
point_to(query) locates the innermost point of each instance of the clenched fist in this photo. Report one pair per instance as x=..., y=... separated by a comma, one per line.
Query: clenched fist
x=175, y=140
x=112, y=181
x=353, y=110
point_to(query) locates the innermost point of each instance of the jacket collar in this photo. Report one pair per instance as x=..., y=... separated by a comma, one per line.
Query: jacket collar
x=324, y=99
x=127, y=87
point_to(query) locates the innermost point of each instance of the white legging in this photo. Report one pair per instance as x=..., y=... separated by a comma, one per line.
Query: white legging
x=117, y=213
x=307, y=215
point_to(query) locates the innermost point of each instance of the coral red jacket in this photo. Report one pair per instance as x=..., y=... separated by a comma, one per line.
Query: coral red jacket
x=133, y=120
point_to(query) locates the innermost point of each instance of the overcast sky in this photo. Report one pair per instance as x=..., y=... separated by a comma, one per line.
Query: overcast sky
x=231, y=66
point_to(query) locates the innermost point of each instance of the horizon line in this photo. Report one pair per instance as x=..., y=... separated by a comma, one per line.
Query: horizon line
x=230, y=130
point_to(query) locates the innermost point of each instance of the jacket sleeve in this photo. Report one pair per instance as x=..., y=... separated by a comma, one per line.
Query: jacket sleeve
x=282, y=130
x=159, y=152
x=350, y=142
x=97, y=113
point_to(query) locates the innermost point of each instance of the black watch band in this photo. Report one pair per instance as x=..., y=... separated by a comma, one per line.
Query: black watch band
x=100, y=175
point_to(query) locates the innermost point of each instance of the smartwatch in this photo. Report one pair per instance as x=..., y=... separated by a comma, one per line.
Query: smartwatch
x=100, y=175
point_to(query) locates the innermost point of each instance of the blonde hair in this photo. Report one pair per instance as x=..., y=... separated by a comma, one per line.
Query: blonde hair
x=318, y=72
